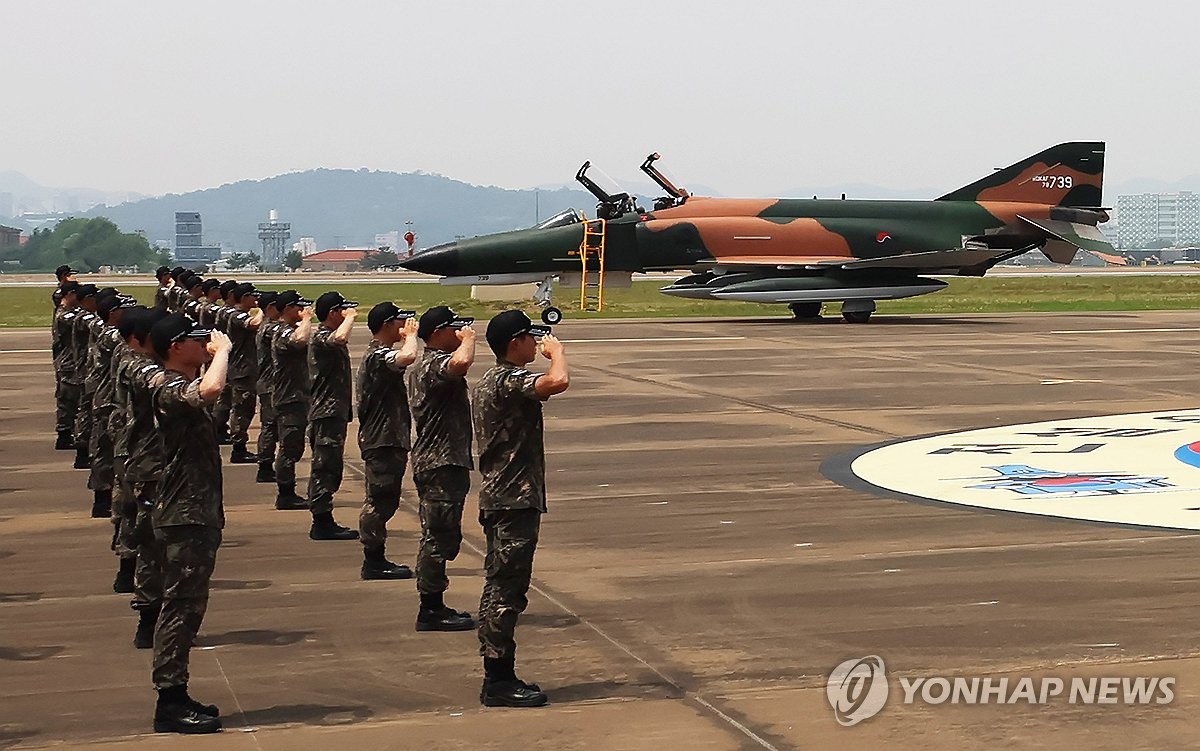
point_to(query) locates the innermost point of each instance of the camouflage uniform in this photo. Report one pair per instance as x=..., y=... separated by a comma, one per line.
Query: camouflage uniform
x=289, y=395
x=160, y=297
x=188, y=518
x=224, y=405
x=66, y=366
x=103, y=404
x=329, y=412
x=441, y=463
x=243, y=374
x=83, y=336
x=137, y=378
x=512, y=498
x=384, y=428
x=268, y=435
x=191, y=307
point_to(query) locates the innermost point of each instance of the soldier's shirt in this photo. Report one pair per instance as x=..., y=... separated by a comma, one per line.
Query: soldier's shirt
x=189, y=490
x=263, y=339
x=81, y=340
x=207, y=310
x=92, y=376
x=191, y=308
x=383, y=418
x=508, y=428
x=160, y=297
x=289, y=364
x=243, y=358
x=123, y=355
x=441, y=413
x=65, y=361
x=329, y=369
x=106, y=346
x=142, y=445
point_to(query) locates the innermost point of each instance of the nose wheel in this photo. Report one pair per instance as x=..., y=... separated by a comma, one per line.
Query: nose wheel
x=541, y=296
x=551, y=315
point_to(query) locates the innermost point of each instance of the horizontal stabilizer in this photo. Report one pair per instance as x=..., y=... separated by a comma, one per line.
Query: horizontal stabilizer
x=1070, y=236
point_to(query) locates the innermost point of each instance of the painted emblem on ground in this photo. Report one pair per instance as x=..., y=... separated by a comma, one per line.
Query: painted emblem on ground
x=1138, y=469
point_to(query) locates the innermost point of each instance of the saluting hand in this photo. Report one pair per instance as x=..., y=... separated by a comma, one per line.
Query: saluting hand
x=550, y=346
x=306, y=313
x=409, y=328
x=466, y=335
x=218, y=341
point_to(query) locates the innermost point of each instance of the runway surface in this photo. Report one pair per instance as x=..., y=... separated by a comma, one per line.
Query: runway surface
x=697, y=577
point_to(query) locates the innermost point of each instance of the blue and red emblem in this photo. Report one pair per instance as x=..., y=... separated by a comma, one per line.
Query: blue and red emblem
x=1026, y=480
x=1189, y=454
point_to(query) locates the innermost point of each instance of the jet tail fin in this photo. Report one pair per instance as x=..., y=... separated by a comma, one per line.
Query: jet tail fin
x=1069, y=174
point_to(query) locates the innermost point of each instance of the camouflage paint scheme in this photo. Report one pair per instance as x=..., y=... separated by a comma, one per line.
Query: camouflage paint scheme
x=808, y=251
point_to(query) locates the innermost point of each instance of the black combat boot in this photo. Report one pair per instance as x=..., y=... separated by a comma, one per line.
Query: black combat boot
x=287, y=500
x=176, y=712
x=123, y=583
x=435, y=616
x=65, y=442
x=266, y=472
x=102, y=504
x=377, y=566
x=82, y=460
x=325, y=528
x=143, y=638
x=223, y=435
x=241, y=455
x=502, y=688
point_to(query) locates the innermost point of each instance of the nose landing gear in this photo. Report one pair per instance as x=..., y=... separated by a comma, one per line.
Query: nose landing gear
x=541, y=296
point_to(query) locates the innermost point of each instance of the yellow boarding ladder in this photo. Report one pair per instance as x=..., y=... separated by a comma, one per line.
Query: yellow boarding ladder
x=591, y=294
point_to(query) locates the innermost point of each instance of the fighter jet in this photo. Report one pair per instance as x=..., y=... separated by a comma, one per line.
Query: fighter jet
x=799, y=252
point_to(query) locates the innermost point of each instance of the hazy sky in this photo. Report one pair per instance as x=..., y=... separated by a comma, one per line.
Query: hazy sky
x=748, y=97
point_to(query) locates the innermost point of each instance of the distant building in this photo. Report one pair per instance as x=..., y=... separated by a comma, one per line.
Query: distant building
x=341, y=259
x=274, y=235
x=189, y=244
x=1148, y=219
x=305, y=247
x=10, y=237
x=390, y=240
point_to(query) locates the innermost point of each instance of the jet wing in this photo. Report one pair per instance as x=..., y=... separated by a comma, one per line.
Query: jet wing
x=1084, y=236
x=934, y=259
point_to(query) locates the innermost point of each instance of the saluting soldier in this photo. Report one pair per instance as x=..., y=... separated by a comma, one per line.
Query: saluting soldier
x=329, y=411
x=441, y=457
x=110, y=310
x=223, y=408
x=210, y=295
x=81, y=343
x=290, y=392
x=188, y=513
x=384, y=431
x=507, y=411
x=268, y=434
x=63, y=274
x=138, y=372
x=192, y=296
x=163, y=274
x=241, y=323
x=67, y=389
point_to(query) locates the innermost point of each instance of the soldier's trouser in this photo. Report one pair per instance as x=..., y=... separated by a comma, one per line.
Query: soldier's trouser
x=268, y=435
x=148, y=573
x=100, y=448
x=512, y=536
x=291, y=419
x=83, y=419
x=327, y=439
x=124, y=513
x=241, y=412
x=442, y=492
x=222, y=407
x=384, y=473
x=66, y=400
x=189, y=554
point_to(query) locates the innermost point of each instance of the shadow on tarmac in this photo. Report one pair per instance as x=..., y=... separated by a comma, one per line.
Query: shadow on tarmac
x=257, y=637
x=308, y=714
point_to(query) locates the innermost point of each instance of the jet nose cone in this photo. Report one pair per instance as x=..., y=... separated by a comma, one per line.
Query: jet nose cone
x=440, y=260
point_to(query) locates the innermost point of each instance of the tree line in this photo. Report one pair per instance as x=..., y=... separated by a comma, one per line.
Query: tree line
x=86, y=245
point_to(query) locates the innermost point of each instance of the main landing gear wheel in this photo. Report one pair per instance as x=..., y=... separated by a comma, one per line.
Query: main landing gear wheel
x=803, y=311
x=857, y=311
x=551, y=316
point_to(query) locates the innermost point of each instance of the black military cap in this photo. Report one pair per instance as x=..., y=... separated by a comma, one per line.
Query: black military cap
x=86, y=290
x=114, y=302
x=438, y=317
x=129, y=322
x=331, y=301
x=161, y=270
x=210, y=284
x=67, y=288
x=195, y=280
x=177, y=272
x=106, y=291
x=290, y=297
x=174, y=328
x=227, y=286
x=243, y=289
x=267, y=299
x=64, y=270
x=384, y=312
x=507, y=326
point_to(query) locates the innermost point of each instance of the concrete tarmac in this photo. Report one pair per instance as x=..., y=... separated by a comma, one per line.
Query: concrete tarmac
x=697, y=577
